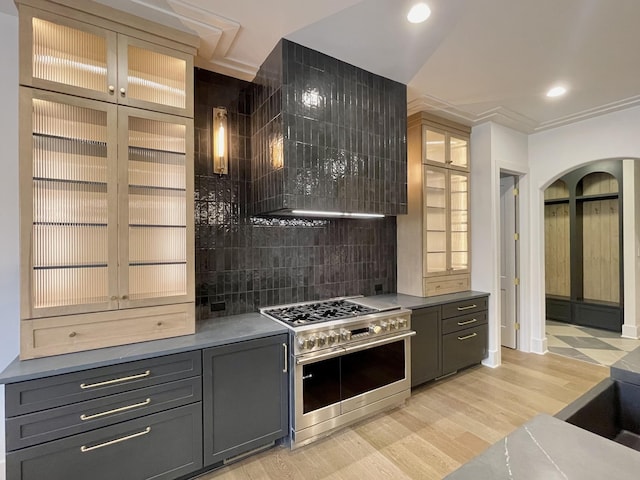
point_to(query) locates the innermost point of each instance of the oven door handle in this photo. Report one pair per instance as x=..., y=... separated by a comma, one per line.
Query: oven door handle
x=382, y=341
x=336, y=352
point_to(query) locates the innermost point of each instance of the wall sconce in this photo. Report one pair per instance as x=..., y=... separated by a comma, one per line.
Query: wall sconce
x=220, y=144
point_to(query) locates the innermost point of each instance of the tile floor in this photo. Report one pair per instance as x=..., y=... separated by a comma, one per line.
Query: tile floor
x=587, y=344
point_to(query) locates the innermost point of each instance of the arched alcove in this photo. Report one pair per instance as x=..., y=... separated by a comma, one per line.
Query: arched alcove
x=583, y=246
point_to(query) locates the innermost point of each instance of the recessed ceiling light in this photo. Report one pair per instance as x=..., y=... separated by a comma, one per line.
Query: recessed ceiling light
x=556, y=91
x=419, y=13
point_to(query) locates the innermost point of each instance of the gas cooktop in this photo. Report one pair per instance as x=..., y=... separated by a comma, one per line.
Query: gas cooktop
x=314, y=312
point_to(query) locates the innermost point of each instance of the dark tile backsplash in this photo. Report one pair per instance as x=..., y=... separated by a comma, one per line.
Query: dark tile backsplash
x=244, y=262
x=327, y=135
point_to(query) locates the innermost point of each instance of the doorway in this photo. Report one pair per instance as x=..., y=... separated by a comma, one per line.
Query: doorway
x=509, y=236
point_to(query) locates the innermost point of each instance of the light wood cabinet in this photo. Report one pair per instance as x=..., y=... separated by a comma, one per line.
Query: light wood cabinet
x=84, y=59
x=434, y=237
x=106, y=196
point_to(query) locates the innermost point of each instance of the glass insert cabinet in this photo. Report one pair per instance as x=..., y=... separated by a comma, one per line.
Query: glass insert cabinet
x=106, y=186
x=434, y=237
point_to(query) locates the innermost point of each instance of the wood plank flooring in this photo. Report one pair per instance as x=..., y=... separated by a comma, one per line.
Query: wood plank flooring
x=443, y=425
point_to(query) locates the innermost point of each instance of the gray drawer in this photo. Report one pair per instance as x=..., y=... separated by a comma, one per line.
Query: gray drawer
x=464, y=348
x=462, y=322
x=162, y=446
x=35, y=428
x=44, y=393
x=464, y=307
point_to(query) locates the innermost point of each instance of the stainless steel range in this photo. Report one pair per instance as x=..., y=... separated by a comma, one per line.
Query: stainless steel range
x=350, y=357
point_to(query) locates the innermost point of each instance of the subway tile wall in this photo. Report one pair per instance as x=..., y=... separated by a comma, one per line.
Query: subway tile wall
x=245, y=262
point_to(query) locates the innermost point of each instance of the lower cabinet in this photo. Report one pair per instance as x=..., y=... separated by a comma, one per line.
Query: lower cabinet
x=425, y=345
x=161, y=446
x=449, y=336
x=245, y=402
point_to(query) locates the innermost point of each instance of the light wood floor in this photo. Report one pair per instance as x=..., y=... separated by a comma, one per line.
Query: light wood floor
x=442, y=426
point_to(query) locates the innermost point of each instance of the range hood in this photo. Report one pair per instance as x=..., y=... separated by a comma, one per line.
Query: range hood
x=328, y=138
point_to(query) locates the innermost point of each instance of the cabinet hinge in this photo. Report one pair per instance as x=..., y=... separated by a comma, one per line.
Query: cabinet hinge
x=516, y=281
x=516, y=236
x=516, y=192
x=517, y=325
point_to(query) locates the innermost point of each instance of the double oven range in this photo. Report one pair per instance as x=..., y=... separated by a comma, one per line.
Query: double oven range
x=349, y=357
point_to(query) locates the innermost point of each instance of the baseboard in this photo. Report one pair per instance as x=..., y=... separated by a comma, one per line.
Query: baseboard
x=539, y=345
x=3, y=469
x=631, y=331
x=493, y=360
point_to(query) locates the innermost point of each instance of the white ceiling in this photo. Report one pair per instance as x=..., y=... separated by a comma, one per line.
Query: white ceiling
x=472, y=61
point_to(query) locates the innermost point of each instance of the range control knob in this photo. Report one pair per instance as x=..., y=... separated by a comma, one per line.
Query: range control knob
x=312, y=341
x=384, y=326
x=393, y=324
x=322, y=339
x=402, y=323
x=303, y=343
x=333, y=336
x=345, y=334
x=375, y=328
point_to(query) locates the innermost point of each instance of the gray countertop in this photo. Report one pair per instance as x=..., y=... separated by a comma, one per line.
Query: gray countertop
x=411, y=302
x=548, y=448
x=210, y=333
x=627, y=369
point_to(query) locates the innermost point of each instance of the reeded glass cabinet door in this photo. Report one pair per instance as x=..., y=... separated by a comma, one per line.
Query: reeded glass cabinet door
x=67, y=56
x=156, y=208
x=69, y=205
x=459, y=221
x=435, y=147
x=459, y=152
x=154, y=77
x=435, y=220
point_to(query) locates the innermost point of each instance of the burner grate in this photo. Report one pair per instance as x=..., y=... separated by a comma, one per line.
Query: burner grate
x=304, y=314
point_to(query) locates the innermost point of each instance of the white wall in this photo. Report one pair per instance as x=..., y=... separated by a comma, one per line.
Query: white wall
x=9, y=276
x=555, y=152
x=495, y=148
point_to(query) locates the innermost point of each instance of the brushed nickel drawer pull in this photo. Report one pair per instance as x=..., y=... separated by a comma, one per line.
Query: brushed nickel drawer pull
x=286, y=358
x=474, y=334
x=473, y=320
x=468, y=307
x=84, y=417
x=84, y=448
x=84, y=386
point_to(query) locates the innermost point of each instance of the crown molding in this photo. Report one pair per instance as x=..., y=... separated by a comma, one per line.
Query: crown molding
x=216, y=33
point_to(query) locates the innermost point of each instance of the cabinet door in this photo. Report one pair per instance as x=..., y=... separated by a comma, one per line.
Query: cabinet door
x=435, y=197
x=154, y=77
x=68, y=196
x=425, y=345
x=245, y=397
x=435, y=146
x=458, y=222
x=156, y=208
x=71, y=57
x=458, y=152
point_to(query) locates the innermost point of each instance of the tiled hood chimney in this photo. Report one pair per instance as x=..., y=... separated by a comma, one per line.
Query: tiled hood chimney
x=327, y=137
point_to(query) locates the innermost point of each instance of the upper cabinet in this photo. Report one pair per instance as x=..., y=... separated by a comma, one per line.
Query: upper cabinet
x=434, y=237
x=106, y=182
x=78, y=58
x=444, y=148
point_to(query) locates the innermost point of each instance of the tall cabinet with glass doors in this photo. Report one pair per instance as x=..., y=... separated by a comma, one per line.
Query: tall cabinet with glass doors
x=434, y=237
x=106, y=180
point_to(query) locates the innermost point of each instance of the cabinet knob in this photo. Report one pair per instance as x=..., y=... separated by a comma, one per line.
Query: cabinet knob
x=114, y=298
x=122, y=92
x=112, y=89
x=125, y=297
x=159, y=324
x=72, y=334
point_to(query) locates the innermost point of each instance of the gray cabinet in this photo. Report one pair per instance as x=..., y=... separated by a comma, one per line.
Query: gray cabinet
x=245, y=397
x=138, y=420
x=425, y=345
x=450, y=336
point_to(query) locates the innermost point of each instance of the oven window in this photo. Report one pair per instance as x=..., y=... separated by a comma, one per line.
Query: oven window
x=320, y=384
x=373, y=368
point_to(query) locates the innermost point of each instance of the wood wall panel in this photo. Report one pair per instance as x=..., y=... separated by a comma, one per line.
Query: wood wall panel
x=557, y=248
x=557, y=189
x=598, y=183
x=601, y=252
